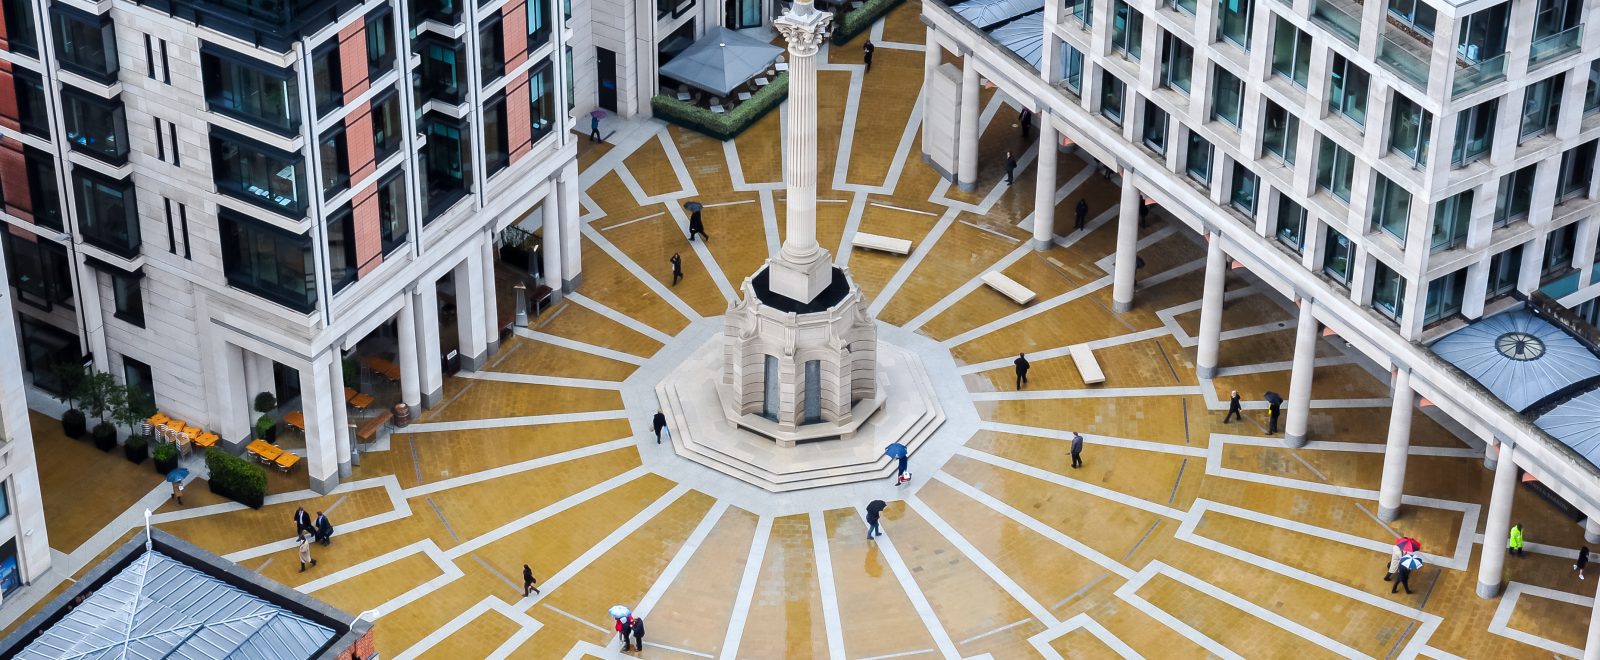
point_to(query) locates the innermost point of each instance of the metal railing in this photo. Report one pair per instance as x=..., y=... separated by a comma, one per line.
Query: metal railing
x=1338, y=20
x=1479, y=74
x=1546, y=48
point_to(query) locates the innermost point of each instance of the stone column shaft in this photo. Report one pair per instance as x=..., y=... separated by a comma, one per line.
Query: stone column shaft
x=1591, y=530
x=967, y=145
x=550, y=237
x=341, y=414
x=1591, y=647
x=803, y=268
x=491, y=302
x=1211, y=308
x=1127, y=245
x=317, y=401
x=1398, y=447
x=410, y=380
x=1298, y=417
x=1497, y=526
x=1044, y=194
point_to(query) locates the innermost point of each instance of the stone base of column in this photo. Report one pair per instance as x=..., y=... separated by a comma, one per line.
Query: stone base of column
x=945, y=174
x=568, y=286
x=1121, y=307
x=1591, y=538
x=1490, y=463
x=344, y=468
x=474, y=362
x=1206, y=373
x=1388, y=513
x=325, y=485
x=967, y=186
x=1041, y=245
x=1294, y=441
x=494, y=345
x=1486, y=590
x=1591, y=531
x=434, y=398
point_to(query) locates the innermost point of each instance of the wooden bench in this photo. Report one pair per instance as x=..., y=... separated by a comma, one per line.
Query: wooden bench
x=881, y=243
x=370, y=428
x=1088, y=367
x=1008, y=287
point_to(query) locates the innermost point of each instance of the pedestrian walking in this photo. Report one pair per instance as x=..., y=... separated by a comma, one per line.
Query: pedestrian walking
x=1236, y=411
x=1011, y=167
x=901, y=474
x=529, y=582
x=624, y=628
x=657, y=423
x=1515, y=542
x=1402, y=578
x=677, y=271
x=1583, y=560
x=324, y=529
x=1025, y=123
x=866, y=53
x=1144, y=214
x=305, y=553
x=594, y=128
x=638, y=633
x=1394, y=563
x=1077, y=450
x=1022, y=369
x=177, y=491
x=1080, y=215
x=874, y=509
x=302, y=522
x=696, y=226
x=1274, y=408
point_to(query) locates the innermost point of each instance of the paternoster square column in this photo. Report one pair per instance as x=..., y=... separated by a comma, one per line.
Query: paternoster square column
x=803, y=268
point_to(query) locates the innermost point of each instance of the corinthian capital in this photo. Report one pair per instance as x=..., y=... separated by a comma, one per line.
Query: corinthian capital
x=804, y=32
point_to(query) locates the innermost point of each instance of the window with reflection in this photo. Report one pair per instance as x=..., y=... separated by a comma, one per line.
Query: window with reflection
x=327, y=78
x=1338, y=257
x=1347, y=90
x=1474, y=133
x=542, y=90
x=257, y=173
x=1177, y=62
x=107, y=214
x=22, y=34
x=1280, y=132
x=343, y=267
x=1198, y=159
x=256, y=92
x=1112, y=91
x=86, y=44
x=1388, y=291
x=334, y=161
x=491, y=49
x=380, y=42
x=1234, y=19
x=1391, y=207
x=32, y=112
x=394, y=223
x=1409, y=129
x=538, y=24
x=386, y=126
x=1291, y=224
x=1335, y=169
x=496, y=151
x=1291, y=51
x=267, y=261
x=95, y=126
x=1451, y=219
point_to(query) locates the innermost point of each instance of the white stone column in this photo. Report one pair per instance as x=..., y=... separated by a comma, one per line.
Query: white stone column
x=571, y=238
x=550, y=237
x=317, y=402
x=1491, y=455
x=1298, y=417
x=933, y=55
x=803, y=269
x=1591, y=530
x=1497, y=526
x=967, y=143
x=406, y=350
x=1211, y=308
x=1044, y=194
x=341, y=413
x=27, y=501
x=469, y=312
x=491, y=302
x=1127, y=245
x=429, y=368
x=1591, y=647
x=233, y=415
x=1398, y=447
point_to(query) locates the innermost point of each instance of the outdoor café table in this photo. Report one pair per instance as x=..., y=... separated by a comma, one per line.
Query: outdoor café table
x=267, y=452
x=206, y=440
x=296, y=419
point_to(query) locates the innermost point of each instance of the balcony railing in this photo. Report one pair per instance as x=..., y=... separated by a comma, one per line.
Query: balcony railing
x=1400, y=56
x=1477, y=75
x=1340, y=20
x=1544, y=49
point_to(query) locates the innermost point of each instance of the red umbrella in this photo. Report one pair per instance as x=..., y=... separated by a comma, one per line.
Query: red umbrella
x=1408, y=544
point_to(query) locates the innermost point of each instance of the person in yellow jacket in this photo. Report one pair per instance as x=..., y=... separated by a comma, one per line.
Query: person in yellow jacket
x=1515, y=544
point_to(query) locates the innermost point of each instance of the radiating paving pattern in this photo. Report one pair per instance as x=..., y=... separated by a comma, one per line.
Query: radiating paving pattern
x=1179, y=536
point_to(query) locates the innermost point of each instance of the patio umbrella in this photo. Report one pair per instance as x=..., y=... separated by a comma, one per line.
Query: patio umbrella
x=721, y=61
x=1410, y=561
x=895, y=450
x=618, y=611
x=177, y=475
x=1273, y=397
x=875, y=506
x=1408, y=544
x=693, y=207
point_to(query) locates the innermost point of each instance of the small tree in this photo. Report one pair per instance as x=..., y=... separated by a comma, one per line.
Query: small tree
x=266, y=426
x=69, y=377
x=134, y=406
x=115, y=398
x=96, y=393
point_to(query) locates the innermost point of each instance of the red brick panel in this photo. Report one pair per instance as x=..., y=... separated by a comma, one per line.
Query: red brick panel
x=353, y=60
x=519, y=118
x=5, y=34
x=361, y=650
x=369, y=235
x=14, y=179
x=514, y=21
x=10, y=112
x=358, y=141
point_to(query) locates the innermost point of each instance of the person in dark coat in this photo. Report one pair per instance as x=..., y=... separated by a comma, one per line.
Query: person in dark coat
x=677, y=268
x=1402, y=577
x=1022, y=370
x=1583, y=560
x=696, y=226
x=1274, y=408
x=529, y=582
x=1235, y=409
x=1080, y=215
x=638, y=633
x=624, y=629
x=324, y=529
x=1011, y=167
x=302, y=522
x=1077, y=450
x=900, y=469
x=1025, y=122
x=594, y=129
x=866, y=53
x=657, y=423
x=874, y=509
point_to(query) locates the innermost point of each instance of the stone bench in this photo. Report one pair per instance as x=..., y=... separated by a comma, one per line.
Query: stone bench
x=1088, y=367
x=881, y=243
x=1008, y=287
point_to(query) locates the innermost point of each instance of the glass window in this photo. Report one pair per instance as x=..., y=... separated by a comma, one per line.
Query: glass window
x=1227, y=97
x=1198, y=159
x=380, y=42
x=1474, y=133
x=1111, y=93
x=326, y=83
x=1177, y=62
x=1591, y=94
x=40, y=271
x=1280, y=133
x=1451, y=219
x=86, y=44
x=1409, y=128
x=447, y=12
x=140, y=381
x=1515, y=196
x=1083, y=10
x=44, y=190
x=538, y=23
x=1187, y=6
x=1577, y=171
x=393, y=221
x=1558, y=249
x=22, y=35
x=1335, y=169
x=343, y=264
x=443, y=73
x=334, y=161
x=445, y=163
x=496, y=154
x=127, y=295
x=1071, y=68
x=1541, y=105
x=572, y=85
x=1388, y=291
x=1555, y=16
x=1243, y=195
x=95, y=126
x=386, y=128
x=1233, y=21
x=1338, y=257
x=32, y=112
x=542, y=90
x=1347, y=93
x=107, y=214
x=1291, y=224
x=1291, y=51
x=1155, y=128
x=1391, y=207
x=491, y=49
x=267, y=261
x=1414, y=13
x=1127, y=28
x=257, y=173
x=253, y=91
x=1483, y=34
x=1444, y=296
x=1504, y=270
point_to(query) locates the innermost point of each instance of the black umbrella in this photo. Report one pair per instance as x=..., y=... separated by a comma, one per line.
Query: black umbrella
x=694, y=207
x=1273, y=398
x=875, y=506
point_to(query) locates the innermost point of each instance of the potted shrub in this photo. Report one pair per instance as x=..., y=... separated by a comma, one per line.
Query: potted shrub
x=69, y=376
x=100, y=396
x=166, y=456
x=135, y=405
x=137, y=448
x=235, y=478
x=266, y=427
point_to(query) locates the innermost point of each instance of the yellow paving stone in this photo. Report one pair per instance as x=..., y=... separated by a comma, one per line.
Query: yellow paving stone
x=612, y=285
x=477, y=639
x=590, y=151
x=1342, y=381
x=882, y=112
x=916, y=185
x=490, y=399
x=651, y=244
x=872, y=269
x=902, y=25
x=1550, y=619
x=438, y=455
x=377, y=586
x=75, y=505
x=877, y=617
x=1239, y=632
x=570, y=320
x=1153, y=418
x=962, y=253
x=760, y=159
x=785, y=617
x=649, y=166
x=1034, y=270
x=1084, y=319
x=833, y=91
x=994, y=140
x=704, y=158
x=1148, y=363
x=737, y=237
x=693, y=613
x=398, y=630
x=1243, y=312
x=1145, y=635
x=1146, y=475
x=537, y=358
x=1268, y=347
x=616, y=203
x=275, y=522
x=1438, y=529
x=1081, y=643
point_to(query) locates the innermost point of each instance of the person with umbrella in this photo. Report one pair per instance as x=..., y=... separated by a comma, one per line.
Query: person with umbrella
x=594, y=126
x=1402, y=545
x=624, y=627
x=696, y=226
x=874, y=509
x=898, y=451
x=1274, y=408
x=176, y=478
x=1402, y=577
x=677, y=269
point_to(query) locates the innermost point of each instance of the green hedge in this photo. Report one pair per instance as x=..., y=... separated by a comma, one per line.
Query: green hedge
x=724, y=125
x=860, y=20
x=235, y=478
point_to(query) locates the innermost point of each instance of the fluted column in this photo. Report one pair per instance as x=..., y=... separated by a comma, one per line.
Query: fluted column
x=1298, y=417
x=1044, y=194
x=803, y=269
x=1211, y=308
x=1398, y=447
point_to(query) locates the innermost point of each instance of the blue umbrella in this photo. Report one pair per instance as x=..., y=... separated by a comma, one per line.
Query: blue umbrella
x=895, y=450
x=1410, y=561
x=177, y=475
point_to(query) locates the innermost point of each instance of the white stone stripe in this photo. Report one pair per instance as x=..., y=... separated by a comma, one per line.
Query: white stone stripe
x=1031, y=523
x=1128, y=592
x=1501, y=623
x=625, y=223
x=526, y=521
x=847, y=132
x=747, y=588
x=1028, y=312
x=644, y=277
x=1098, y=393
x=681, y=559
x=832, y=625
x=1286, y=365
x=902, y=654
x=1094, y=440
x=732, y=203
x=902, y=152
x=632, y=323
x=1255, y=610
x=578, y=619
x=1380, y=546
x=980, y=561
x=919, y=600
x=960, y=292
x=1005, y=237
x=505, y=422
x=530, y=379
x=1095, y=345
x=902, y=208
x=679, y=168
x=684, y=651
x=1074, y=484
x=581, y=347
x=852, y=224
x=1041, y=641
x=996, y=631
x=910, y=265
x=527, y=626
x=514, y=468
x=400, y=509
x=769, y=218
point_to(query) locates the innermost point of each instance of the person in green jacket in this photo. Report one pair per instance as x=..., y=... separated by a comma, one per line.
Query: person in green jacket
x=1515, y=544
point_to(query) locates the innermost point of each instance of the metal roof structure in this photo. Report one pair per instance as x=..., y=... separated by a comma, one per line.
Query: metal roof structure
x=1576, y=423
x=721, y=61
x=1519, y=357
x=1024, y=36
x=988, y=13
